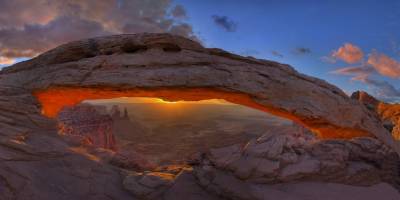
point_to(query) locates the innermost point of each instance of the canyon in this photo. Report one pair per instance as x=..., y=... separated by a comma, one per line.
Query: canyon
x=338, y=143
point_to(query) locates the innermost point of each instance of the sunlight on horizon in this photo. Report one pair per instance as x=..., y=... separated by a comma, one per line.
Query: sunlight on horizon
x=150, y=100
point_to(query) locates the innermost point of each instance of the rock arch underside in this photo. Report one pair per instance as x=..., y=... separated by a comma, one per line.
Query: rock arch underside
x=174, y=68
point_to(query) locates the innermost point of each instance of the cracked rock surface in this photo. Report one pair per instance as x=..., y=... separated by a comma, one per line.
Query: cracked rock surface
x=351, y=166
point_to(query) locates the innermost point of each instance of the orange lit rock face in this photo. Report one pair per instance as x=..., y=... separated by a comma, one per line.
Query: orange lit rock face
x=388, y=113
x=54, y=99
x=391, y=113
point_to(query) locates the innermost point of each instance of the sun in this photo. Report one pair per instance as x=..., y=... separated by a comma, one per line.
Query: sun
x=167, y=102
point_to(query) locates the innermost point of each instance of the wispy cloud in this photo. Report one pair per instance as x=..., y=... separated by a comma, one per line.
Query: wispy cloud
x=383, y=90
x=225, y=23
x=356, y=72
x=277, y=54
x=384, y=65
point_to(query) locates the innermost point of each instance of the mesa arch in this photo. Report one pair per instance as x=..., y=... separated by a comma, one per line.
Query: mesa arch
x=172, y=67
x=54, y=99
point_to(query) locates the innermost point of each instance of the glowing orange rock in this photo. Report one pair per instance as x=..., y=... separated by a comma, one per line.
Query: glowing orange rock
x=54, y=99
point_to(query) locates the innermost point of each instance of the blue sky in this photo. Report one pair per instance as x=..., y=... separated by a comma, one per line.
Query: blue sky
x=282, y=26
x=310, y=35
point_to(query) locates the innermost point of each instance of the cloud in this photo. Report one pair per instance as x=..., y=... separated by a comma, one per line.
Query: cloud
x=225, y=23
x=27, y=29
x=277, y=54
x=384, y=65
x=349, y=53
x=357, y=72
x=6, y=61
x=328, y=59
x=383, y=90
x=179, y=12
x=33, y=39
x=301, y=51
x=376, y=64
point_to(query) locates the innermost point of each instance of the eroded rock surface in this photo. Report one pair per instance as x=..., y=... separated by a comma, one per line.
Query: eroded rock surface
x=281, y=157
x=36, y=163
x=276, y=166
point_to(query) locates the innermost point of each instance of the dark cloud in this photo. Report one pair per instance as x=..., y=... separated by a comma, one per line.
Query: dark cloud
x=301, y=51
x=27, y=29
x=225, y=23
x=33, y=39
x=277, y=54
x=179, y=12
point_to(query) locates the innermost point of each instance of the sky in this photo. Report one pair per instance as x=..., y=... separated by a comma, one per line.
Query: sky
x=149, y=100
x=352, y=44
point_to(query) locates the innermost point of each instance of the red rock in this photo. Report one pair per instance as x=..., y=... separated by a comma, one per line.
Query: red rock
x=86, y=122
x=387, y=112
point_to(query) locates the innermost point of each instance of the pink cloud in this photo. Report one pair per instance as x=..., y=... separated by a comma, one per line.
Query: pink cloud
x=349, y=53
x=384, y=65
x=358, y=73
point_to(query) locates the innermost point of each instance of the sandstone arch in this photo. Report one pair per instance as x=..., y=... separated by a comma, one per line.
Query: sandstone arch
x=173, y=67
